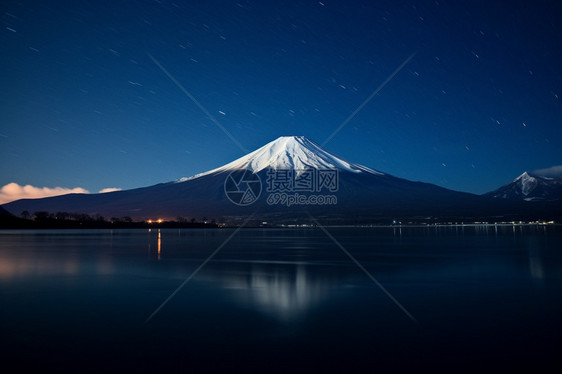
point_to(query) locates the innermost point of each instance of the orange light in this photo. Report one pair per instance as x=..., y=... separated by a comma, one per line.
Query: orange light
x=160, y=220
x=149, y=221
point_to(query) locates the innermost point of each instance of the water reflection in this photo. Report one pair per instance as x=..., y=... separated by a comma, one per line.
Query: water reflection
x=535, y=261
x=284, y=291
x=41, y=265
x=282, y=276
x=104, y=265
x=159, y=244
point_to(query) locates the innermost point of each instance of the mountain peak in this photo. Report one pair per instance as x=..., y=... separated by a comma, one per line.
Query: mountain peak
x=523, y=176
x=296, y=138
x=530, y=186
x=289, y=152
x=527, y=183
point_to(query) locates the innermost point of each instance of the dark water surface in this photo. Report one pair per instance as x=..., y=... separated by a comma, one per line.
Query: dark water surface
x=484, y=298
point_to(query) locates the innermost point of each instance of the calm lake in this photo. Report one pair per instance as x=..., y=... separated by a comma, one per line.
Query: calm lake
x=457, y=299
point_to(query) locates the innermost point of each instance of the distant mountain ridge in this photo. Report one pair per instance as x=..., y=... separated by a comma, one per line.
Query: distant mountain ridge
x=5, y=213
x=357, y=194
x=530, y=187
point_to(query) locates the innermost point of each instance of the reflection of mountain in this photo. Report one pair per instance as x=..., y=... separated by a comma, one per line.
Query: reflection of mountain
x=285, y=282
x=283, y=290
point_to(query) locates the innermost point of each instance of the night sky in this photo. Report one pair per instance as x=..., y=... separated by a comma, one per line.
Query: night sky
x=83, y=104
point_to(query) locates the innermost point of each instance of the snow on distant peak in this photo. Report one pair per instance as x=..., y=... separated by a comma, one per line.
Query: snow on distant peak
x=527, y=182
x=289, y=152
x=524, y=175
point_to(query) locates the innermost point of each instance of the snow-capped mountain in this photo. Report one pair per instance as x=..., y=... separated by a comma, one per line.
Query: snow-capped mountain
x=288, y=152
x=318, y=182
x=530, y=187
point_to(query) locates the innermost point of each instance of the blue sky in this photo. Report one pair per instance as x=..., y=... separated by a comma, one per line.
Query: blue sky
x=83, y=105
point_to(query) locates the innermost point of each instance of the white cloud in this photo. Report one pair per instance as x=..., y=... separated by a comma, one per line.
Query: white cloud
x=553, y=171
x=13, y=191
x=109, y=189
